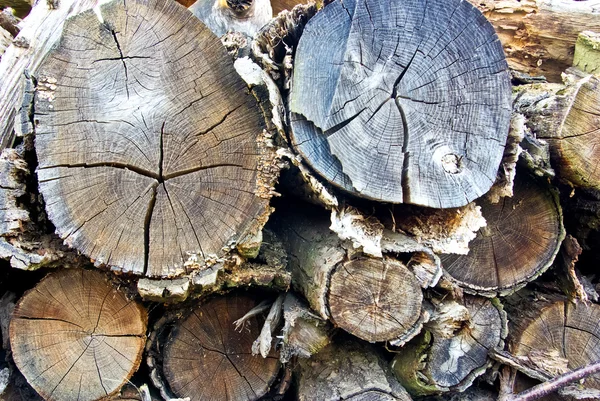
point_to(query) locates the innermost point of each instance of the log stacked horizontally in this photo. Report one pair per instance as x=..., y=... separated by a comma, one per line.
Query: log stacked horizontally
x=407, y=251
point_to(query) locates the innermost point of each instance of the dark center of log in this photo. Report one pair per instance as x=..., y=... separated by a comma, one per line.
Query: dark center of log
x=148, y=142
x=404, y=102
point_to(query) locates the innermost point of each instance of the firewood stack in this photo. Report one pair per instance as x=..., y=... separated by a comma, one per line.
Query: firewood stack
x=363, y=201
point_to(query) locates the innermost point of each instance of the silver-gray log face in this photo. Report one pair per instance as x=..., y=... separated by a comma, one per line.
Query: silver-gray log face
x=402, y=101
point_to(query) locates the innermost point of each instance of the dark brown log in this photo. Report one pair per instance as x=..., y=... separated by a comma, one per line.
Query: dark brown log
x=521, y=239
x=453, y=350
x=76, y=337
x=412, y=105
x=539, y=36
x=205, y=358
x=167, y=174
x=347, y=370
x=373, y=299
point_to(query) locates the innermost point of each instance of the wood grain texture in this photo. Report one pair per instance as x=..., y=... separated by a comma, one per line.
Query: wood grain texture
x=207, y=359
x=402, y=102
x=539, y=36
x=347, y=370
x=76, y=337
x=570, y=331
x=147, y=140
x=521, y=239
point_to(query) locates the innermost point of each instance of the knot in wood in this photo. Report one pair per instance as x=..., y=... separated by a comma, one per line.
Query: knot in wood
x=403, y=102
x=149, y=143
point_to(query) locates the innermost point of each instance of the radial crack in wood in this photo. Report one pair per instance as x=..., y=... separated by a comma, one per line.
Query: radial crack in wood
x=404, y=102
x=560, y=332
x=206, y=358
x=76, y=337
x=150, y=146
x=521, y=239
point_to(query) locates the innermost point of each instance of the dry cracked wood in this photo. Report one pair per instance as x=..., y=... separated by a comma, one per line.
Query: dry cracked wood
x=373, y=299
x=149, y=144
x=347, y=370
x=521, y=239
x=76, y=337
x=207, y=359
x=559, y=336
x=404, y=102
x=454, y=349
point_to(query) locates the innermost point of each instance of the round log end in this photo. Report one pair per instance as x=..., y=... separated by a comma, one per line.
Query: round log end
x=522, y=236
x=207, y=358
x=376, y=300
x=76, y=337
x=152, y=153
x=402, y=102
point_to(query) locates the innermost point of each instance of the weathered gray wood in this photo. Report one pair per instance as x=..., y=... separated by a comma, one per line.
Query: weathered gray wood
x=454, y=349
x=221, y=16
x=347, y=370
x=404, y=102
x=373, y=299
x=39, y=32
x=206, y=358
x=77, y=337
x=521, y=239
x=146, y=164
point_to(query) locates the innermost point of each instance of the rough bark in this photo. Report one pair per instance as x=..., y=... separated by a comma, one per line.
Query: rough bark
x=347, y=370
x=521, y=239
x=206, y=358
x=133, y=201
x=393, y=66
x=567, y=117
x=539, y=36
x=373, y=299
x=244, y=16
x=453, y=351
x=75, y=336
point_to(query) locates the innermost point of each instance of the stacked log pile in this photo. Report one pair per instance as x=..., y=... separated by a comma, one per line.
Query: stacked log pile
x=359, y=200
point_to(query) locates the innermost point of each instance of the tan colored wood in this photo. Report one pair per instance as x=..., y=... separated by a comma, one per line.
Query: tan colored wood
x=568, y=331
x=539, y=36
x=207, y=359
x=147, y=165
x=76, y=337
x=521, y=239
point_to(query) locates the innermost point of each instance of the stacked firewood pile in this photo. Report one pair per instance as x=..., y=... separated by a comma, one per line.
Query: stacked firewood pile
x=359, y=200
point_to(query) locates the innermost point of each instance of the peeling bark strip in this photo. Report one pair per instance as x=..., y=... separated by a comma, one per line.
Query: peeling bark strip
x=373, y=299
x=404, y=102
x=76, y=337
x=521, y=239
x=207, y=359
x=146, y=163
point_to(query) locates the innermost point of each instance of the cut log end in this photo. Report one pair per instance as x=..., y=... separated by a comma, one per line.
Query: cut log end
x=399, y=111
x=74, y=336
x=376, y=300
x=170, y=171
x=207, y=358
x=521, y=239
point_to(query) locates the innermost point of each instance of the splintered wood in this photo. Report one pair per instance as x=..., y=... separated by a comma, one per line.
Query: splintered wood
x=76, y=337
x=148, y=142
x=206, y=358
x=404, y=102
